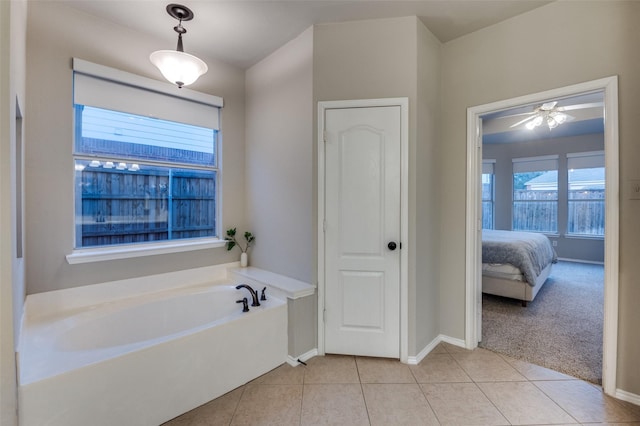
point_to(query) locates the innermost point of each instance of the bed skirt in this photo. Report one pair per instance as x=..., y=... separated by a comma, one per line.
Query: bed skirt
x=515, y=289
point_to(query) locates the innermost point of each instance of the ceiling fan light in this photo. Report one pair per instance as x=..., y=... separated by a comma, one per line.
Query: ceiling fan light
x=560, y=117
x=537, y=121
x=531, y=125
x=552, y=123
x=179, y=68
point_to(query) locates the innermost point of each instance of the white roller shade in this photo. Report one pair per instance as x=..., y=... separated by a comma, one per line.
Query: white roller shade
x=585, y=160
x=487, y=167
x=108, y=88
x=535, y=164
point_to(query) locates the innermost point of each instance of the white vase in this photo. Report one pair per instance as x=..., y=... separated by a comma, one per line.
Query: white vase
x=244, y=260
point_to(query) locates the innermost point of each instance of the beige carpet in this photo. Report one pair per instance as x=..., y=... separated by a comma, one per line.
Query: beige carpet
x=561, y=329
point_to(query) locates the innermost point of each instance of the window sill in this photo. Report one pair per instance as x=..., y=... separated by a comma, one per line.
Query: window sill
x=130, y=251
x=584, y=237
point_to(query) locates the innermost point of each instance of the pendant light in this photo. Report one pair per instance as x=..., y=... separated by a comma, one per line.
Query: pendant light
x=178, y=67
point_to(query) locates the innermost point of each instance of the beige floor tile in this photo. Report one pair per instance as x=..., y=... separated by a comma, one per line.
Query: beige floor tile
x=535, y=372
x=213, y=413
x=462, y=404
x=283, y=375
x=269, y=405
x=331, y=369
x=477, y=353
x=452, y=348
x=439, y=368
x=586, y=403
x=397, y=404
x=439, y=349
x=524, y=403
x=485, y=366
x=383, y=370
x=334, y=404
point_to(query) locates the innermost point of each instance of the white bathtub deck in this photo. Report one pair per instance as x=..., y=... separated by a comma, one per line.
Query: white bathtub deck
x=138, y=383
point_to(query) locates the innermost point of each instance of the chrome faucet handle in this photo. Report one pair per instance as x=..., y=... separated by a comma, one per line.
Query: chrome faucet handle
x=245, y=304
x=263, y=296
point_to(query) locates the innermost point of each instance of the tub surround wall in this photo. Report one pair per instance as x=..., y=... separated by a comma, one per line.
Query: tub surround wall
x=302, y=303
x=156, y=379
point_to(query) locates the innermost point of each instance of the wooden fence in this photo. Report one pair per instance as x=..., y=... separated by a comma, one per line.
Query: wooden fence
x=122, y=206
x=538, y=211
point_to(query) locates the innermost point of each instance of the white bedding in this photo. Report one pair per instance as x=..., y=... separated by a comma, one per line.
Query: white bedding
x=502, y=270
x=502, y=251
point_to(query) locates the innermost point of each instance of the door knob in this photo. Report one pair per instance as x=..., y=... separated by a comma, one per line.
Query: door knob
x=392, y=245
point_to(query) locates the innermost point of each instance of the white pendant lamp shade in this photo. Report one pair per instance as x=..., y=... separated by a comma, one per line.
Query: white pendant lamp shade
x=176, y=66
x=179, y=68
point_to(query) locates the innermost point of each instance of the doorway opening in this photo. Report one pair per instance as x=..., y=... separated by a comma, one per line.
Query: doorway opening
x=607, y=86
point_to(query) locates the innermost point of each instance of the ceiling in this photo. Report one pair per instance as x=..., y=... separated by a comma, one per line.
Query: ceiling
x=242, y=32
x=497, y=126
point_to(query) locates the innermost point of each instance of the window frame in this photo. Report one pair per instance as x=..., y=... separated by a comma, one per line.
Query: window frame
x=543, y=163
x=488, y=168
x=131, y=250
x=585, y=160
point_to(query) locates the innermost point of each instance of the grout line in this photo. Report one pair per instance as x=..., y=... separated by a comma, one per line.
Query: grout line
x=493, y=403
x=304, y=376
x=429, y=403
x=235, y=410
x=364, y=399
x=554, y=401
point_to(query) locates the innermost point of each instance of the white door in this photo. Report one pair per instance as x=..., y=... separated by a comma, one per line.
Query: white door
x=362, y=231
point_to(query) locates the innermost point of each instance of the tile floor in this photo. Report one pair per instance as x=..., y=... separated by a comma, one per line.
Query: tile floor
x=451, y=386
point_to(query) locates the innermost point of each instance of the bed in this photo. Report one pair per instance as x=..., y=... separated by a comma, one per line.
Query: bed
x=515, y=264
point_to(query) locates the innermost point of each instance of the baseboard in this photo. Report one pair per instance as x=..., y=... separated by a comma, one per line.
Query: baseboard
x=295, y=361
x=414, y=360
x=627, y=396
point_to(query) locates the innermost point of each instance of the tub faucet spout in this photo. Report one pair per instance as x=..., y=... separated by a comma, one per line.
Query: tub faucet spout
x=254, y=294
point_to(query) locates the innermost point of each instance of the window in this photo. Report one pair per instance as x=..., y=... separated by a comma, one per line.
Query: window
x=535, y=194
x=141, y=179
x=488, y=192
x=586, y=193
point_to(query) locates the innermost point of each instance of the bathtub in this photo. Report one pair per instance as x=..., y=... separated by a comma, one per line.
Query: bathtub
x=145, y=359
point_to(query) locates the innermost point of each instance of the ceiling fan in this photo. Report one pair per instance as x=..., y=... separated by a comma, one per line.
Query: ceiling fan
x=551, y=114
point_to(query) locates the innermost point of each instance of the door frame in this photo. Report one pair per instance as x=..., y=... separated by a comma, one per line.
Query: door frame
x=609, y=86
x=403, y=103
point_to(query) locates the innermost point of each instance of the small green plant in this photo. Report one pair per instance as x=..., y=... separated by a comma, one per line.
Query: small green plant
x=232, y=242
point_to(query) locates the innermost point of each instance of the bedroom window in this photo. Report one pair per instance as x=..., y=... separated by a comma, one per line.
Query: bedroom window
x=586, y=193
x=488, y=194
x=146, y=164
x=535, y=194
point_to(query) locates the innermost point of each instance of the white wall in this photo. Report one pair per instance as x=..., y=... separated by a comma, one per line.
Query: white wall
x=553, y=46
x=382, y=59
x=428, y=184
x=56, y=34
x=279, y=168
x=279, y=159
x=13, y=17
